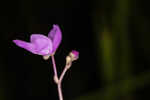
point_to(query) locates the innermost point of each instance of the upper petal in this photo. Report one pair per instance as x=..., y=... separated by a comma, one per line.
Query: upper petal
x=56, y=36
x=43, y=44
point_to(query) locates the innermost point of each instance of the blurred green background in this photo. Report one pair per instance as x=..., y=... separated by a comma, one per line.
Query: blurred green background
x=112, y=37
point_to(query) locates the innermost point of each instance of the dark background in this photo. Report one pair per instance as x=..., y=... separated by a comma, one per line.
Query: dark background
x=112, y=37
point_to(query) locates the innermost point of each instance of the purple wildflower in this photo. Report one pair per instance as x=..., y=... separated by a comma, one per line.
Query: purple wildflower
x=42, y=45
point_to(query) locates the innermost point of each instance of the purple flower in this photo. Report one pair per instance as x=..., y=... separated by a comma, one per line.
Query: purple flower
x=42, y=45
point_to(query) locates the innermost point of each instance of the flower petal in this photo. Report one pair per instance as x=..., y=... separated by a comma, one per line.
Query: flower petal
x=28, y=46
x=56, y=36
x=43, y=44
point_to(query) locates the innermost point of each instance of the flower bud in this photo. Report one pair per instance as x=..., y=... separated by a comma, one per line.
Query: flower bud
x=74, y=55
x=68, y=59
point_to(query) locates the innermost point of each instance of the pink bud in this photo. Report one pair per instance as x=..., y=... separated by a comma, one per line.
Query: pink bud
x=74, y=54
